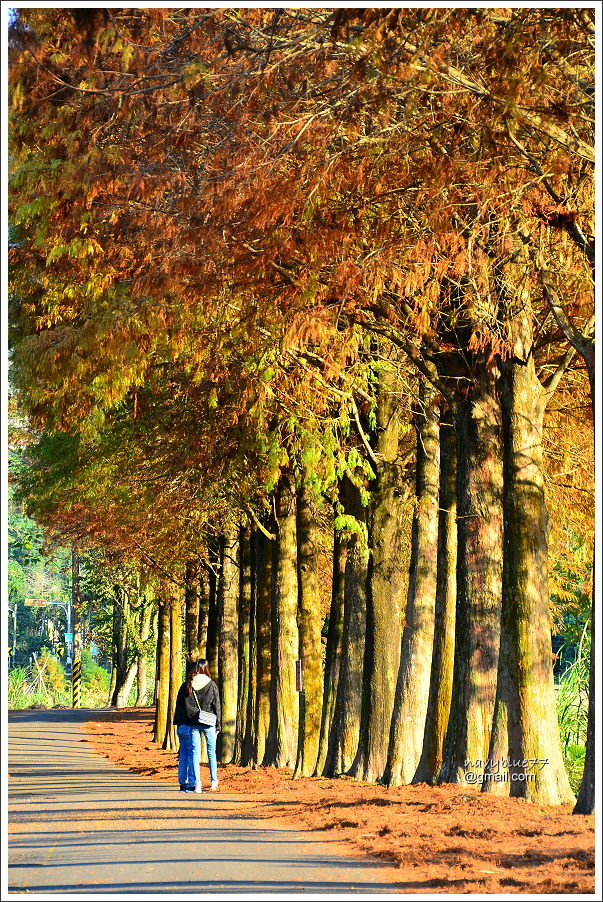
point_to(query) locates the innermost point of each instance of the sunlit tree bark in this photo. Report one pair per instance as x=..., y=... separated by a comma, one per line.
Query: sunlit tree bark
x=310, y=623
x=479, y=579
x=385, y=587
x=440, y=686
x=228, y=596
x=333, y=649
x=266, y=555
x=345, y=725
x=412, y=690
x=281, y=743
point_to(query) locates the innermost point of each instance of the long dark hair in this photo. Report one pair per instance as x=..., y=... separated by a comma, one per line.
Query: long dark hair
x=196, y=667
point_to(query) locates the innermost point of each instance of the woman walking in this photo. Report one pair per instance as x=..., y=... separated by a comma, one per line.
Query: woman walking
x=197, y=711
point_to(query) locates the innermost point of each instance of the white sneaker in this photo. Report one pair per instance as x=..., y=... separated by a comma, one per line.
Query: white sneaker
x=214, y=785
x=198, y=787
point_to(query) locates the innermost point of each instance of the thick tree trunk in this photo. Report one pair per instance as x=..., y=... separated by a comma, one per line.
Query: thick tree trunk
x=310, y=625
x=385, y=595
x=479, y=582
x=345, y=726
x=440, y=686
x=249, y=747
x=228, y=651
x=525, y=757
x=266, y=557
x=333, y=650
x=244, y=614
x=163, y=669
x=213, y=612
x=412, y=690
x=170, y=741
x=281, y=744
x=191, y=610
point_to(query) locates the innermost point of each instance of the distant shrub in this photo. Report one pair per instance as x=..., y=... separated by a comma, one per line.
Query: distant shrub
x=52, y=673
x=95, y=682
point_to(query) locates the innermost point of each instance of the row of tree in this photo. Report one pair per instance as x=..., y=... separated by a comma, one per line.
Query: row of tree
x=293, y=294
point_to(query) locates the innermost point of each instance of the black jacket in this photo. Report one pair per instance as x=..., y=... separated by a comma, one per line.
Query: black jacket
x=187, y=709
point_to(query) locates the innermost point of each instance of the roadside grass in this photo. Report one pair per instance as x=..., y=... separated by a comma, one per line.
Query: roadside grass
x=572, y=713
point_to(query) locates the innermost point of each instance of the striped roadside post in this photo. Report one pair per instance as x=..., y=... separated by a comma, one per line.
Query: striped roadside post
x=76, y=680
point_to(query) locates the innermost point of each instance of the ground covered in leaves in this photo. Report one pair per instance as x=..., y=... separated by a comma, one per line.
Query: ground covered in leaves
x=451, y=839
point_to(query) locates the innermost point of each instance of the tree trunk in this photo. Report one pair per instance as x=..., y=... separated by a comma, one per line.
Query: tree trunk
x=310, y=627
x=123, y=693
x=141, y=659
x=249, y=747
x=113, y=680
x=191, y=608
x=440, y=686
x=228, y=640
x=163, y=669
x=141, y=681
x=121, y=612
x=244, y=614
x=412, y=690
x=525, y=757
x=479, y=582
x=202, y=624
x=281, y=744
x=386, y=585
x=333, y=651
x=266, y=550
x=170, y=741
x=345, y=726
x=213, y=611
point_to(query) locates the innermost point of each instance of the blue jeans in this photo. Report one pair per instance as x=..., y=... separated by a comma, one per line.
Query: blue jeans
x=189, y=756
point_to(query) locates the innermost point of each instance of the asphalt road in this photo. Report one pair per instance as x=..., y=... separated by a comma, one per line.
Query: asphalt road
x=78, y=824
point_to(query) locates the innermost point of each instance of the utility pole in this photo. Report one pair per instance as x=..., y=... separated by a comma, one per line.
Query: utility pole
x=76, y=671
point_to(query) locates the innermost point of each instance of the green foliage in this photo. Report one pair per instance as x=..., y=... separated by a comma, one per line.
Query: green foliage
x=53, y=673
x=572, y=710
x=95, y=682
x=17, y=679
x=42, y=684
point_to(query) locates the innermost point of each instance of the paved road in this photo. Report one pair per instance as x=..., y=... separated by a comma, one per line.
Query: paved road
x=78, y=824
